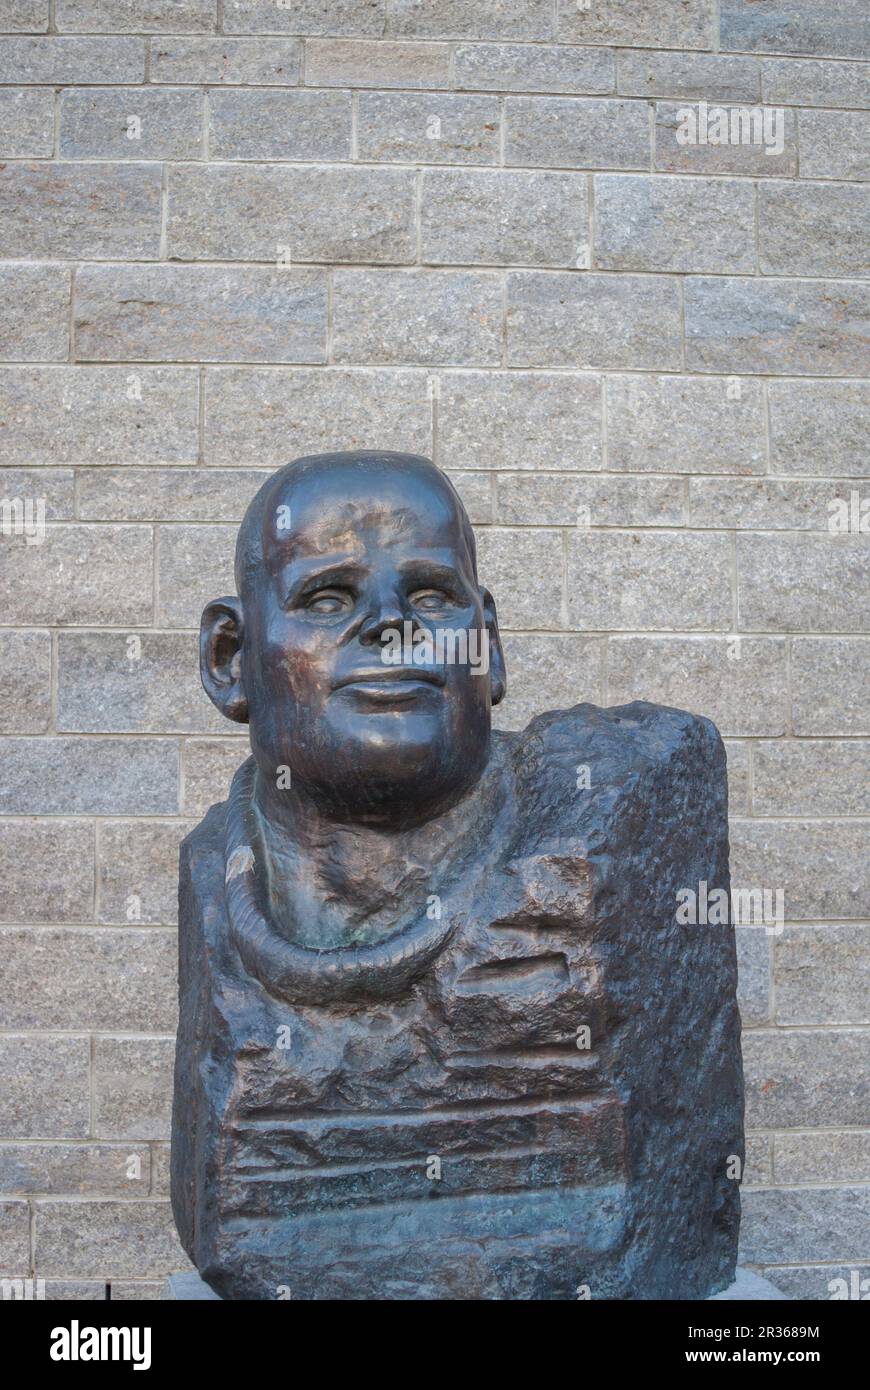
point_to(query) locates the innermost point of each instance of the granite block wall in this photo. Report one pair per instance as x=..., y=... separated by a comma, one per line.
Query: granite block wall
x=608, y=261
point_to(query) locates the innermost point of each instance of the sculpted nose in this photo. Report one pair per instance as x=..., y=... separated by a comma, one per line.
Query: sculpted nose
x=387, y=611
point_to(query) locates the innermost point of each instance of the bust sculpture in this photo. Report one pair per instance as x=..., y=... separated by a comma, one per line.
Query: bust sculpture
x=441, y=1034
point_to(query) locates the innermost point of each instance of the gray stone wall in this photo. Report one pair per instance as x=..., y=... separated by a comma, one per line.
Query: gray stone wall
x=234, y=232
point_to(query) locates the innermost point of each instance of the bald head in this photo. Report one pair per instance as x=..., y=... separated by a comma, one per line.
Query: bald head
x=341, y=489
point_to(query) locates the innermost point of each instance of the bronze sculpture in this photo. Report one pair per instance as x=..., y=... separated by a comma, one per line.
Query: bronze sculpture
x=441, y=1035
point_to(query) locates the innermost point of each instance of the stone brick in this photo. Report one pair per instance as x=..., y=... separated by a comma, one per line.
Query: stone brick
x=795, y=26
x=740, y=684
x=35, y=323
x=273, y=416
x=100, y=979
x=200, y=313
x=813, y=229
x=141, y=16
x=564, y=320
x=61, y=61
x=357, y=63
x=160, y=1160
x=661, y=223
x=804, y=1224
x=53, y=486
x=94, y=1290
x=524, y=570
x=738, y=777
x=471, y=19
x=133, y=1087
x=504, y=217
x=815, y=82
x=253, y=62
x=521, y=67
x=756, y=1170
x=777, y=326
x=811, y=778
x=835, y=144
x=73, y=575
x=422, y=316
x=25, y=682
x=131, y=683
x=519, y=420
x=799, y=1077
x=67, y=415
x=80, y=210
x=45, y=1091
x=256, y=212
x=655, y=24
x=137, y=1290
x=89, y=777
x=821, y=866
x=110, y=1239
x=711, y=77
x=167, y=494
x=647, y=579
x=764, y=504
x=547, y=671
x=476, y=491
x=15, y=1239
x=87, y=1169
x=753, y=976
x=559, y=499
x=47, y=868
x=95, y=123
x=821, y=1158
x=802, y=583
x=194, y=565
x=822, y=975
x=362, y=17
x=685, y=424
x=754, y=155
x=445, y=128
x=829, y=685
x=137, y=867
x=819, y=1282
x=26, y=123
x=296, y=125
x=577, y=133
x=819, y=427
x=209, y=767
x=31, y=16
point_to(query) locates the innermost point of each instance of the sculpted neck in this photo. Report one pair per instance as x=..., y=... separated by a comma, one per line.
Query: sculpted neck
x=334, y=883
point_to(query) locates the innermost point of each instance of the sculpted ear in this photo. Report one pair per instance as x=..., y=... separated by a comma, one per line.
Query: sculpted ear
x=220, y=657
x=497, y=673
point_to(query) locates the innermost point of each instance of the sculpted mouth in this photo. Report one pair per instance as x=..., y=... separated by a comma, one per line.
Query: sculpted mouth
x=387, y=676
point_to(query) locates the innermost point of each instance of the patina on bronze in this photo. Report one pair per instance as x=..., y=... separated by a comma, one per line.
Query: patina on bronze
x=441, y=1033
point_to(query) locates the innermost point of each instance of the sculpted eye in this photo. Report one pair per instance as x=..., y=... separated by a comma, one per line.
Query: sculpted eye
x=429, y=600
x=327, y=602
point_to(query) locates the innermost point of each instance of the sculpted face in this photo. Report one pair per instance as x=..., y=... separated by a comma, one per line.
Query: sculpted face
x=340, y=559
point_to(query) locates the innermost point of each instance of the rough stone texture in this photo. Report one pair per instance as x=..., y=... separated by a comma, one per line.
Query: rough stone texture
x=444, y=129
x=490, y=217
x=198, y=313
x=80, y=210
x=133, y=1086
x=279, y=125
x=110, y=1239
x=269, y=62
x=533, y=68
x=367, y=1084
x=576, y=134
x=753, y=420
x=103, y=978
x=26, y=123
x=261, y=212
x=96, y=124
x=45, y=1091
x=674, y=224
x=750, y=158
x=87, y=1169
